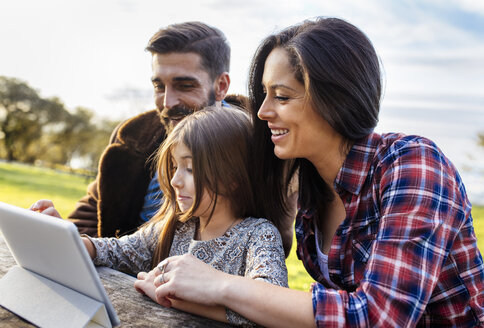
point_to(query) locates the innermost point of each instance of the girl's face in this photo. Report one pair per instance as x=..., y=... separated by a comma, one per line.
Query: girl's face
x=297, y=130
x=183, y=183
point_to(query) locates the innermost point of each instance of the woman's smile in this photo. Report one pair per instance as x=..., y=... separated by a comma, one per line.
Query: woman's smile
x=278, y=134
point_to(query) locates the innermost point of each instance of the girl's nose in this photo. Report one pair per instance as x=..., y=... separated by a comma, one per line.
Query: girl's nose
x=176, y=181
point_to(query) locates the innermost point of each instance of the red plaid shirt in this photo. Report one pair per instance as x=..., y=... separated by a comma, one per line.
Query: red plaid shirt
x=406, y=255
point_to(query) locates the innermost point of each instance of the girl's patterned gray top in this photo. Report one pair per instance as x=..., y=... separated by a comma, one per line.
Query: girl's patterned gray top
x=251, y=248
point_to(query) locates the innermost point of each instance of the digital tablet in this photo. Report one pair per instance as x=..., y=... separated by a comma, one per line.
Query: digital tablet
x=51, y=247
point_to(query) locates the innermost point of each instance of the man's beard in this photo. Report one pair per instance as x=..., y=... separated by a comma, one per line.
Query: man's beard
x=170, y=117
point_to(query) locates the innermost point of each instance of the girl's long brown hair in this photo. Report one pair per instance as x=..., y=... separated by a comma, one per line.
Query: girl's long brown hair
x=219, y=140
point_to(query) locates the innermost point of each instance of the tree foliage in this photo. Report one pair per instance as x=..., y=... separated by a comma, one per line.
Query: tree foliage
x=33, y=128
x=23, y=113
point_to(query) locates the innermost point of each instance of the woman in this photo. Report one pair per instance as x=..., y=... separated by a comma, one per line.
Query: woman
x=384, y=224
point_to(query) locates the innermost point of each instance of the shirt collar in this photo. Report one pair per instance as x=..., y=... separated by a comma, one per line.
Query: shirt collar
x=354, y=171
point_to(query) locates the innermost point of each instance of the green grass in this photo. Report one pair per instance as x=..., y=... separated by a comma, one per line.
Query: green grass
x=22, y=185
x=478, y=216
x=297, y=275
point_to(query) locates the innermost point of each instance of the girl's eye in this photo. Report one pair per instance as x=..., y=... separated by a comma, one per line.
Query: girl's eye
x=189, y=170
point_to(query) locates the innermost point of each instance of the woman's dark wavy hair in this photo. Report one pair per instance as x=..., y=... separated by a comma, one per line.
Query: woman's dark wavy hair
x=340, y=71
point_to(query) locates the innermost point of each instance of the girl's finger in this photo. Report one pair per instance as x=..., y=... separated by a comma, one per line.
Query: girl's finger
x=139, y=290
x=162, y=300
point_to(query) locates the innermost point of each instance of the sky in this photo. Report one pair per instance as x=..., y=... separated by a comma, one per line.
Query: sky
x=91, y=53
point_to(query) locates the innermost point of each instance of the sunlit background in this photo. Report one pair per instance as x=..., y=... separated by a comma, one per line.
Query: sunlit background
x=91, y=54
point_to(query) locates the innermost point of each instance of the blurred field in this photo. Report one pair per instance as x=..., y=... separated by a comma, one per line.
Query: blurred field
x=22, y=185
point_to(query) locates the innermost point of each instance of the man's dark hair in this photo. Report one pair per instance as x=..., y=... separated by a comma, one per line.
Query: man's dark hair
x=196, y=37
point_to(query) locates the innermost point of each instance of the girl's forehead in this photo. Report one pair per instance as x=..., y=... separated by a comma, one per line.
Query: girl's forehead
x=180, y=150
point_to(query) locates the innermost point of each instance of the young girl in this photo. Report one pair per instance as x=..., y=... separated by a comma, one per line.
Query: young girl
x=203, y=167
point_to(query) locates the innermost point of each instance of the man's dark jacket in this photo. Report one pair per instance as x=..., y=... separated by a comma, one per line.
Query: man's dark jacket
x=114, y=200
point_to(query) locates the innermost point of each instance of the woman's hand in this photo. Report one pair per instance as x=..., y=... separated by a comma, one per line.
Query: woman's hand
x=45, y=206
x=149, y=283
x=187, y=278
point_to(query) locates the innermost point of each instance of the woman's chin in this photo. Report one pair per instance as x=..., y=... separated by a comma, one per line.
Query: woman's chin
x=282, y=154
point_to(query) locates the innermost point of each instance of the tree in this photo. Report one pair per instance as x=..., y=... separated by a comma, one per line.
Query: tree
x=34, y=128
x=79, y=138
x=23, y=117
x=100, y=140
x=68, y=138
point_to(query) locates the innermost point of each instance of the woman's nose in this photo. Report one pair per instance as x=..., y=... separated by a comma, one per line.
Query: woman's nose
x=266, y=112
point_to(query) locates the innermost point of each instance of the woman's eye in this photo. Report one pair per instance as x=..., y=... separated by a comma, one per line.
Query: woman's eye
x=189, y=170
x=281, y=98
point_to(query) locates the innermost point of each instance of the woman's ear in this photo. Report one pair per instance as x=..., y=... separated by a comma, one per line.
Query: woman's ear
x=221, y=86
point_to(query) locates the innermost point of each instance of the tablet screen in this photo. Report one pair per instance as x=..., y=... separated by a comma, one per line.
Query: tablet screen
x=52, y=248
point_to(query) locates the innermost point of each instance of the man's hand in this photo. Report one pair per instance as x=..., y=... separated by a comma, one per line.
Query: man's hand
x=45, y=206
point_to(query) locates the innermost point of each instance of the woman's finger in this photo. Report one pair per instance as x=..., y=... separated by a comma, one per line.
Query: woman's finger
x=161, y=267
x=161, y=279
x=141, y=275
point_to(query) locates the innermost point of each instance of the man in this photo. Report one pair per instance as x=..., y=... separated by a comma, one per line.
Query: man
x=190, y=64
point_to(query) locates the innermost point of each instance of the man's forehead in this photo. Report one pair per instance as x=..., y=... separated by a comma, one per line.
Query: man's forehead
x=178, y=65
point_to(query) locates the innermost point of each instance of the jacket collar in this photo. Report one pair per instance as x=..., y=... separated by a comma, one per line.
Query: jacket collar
x=356, y=166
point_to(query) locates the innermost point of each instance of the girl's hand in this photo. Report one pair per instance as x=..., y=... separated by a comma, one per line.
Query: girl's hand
x=91, y=249
x=145, y=285
x=45, y=206
x=187, y=278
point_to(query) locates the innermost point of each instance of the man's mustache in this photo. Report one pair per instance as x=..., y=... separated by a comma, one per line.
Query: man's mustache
x=176, y=112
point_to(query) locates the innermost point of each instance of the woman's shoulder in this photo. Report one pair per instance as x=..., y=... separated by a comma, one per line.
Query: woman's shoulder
x=388, y=149
x=395, y=146
x=394, y=141
x=418, y=160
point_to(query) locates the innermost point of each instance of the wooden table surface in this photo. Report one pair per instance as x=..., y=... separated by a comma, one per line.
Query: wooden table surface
x=133, y=309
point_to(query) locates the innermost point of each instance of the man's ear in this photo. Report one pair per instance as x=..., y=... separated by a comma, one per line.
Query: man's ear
x=221, y=86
